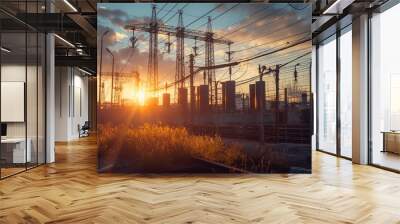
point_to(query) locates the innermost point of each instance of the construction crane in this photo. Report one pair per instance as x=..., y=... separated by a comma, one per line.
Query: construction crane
x=154, y=28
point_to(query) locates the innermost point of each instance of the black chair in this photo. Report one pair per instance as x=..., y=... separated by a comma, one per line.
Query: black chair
x=84, y=130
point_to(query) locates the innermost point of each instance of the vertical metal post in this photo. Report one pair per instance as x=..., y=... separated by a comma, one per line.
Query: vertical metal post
x=216, y=94
x=369, y=89
x=152, y=68
x=277, y=94
x=261, y=111
x=112, y=80
x=277, y=112
x=338, y=98
x=180, y=51
x=209, y=58
x=0, y=90
x=101, y=64
x=192, y=92
x=316, y=97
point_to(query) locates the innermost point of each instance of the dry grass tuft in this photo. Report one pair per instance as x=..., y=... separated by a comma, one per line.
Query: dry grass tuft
x=151, y=144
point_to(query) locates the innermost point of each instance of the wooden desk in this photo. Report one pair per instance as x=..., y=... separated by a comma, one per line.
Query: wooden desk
x=391, y=141
x=13, y=150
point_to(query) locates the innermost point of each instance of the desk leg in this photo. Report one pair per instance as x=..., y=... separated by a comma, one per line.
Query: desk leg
x=384, y=142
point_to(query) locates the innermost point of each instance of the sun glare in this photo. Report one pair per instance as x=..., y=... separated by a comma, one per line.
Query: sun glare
x=141, y=97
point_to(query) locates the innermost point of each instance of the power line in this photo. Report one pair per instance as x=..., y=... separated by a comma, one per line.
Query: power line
x=279, y=47
x=241, y=61
x=269, y=42
x=249, y=24
x=170, y=10
x=210, y=11
x=218, y=16
x=272, y=52
x=275, y=31
x=199, y=17
x=162, y=8
x=281, y=66
x=176, y=13
x=255, y=13
x=295, y=59
x=127, y=62
x=298, y=9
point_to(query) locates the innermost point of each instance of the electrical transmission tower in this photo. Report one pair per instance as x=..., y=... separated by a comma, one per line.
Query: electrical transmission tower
x=209, y=60
x=152, y=68
x=180, y=51
x=229, y=53
x=180, y=32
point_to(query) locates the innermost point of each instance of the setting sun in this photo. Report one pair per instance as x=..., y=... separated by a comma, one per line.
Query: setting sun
x=141, y=97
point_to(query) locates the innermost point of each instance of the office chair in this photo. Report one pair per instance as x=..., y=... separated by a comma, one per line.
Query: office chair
x=84, y=130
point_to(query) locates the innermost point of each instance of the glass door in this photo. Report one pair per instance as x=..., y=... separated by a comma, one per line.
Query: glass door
x=385, y=89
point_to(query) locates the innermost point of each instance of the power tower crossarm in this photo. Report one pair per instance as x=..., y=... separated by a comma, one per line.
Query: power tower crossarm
x=167, y=29
x=198, y=69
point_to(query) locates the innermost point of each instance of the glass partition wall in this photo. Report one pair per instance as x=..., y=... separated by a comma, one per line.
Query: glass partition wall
x=334, y=93
x=345, y=91
x=327, y=95
x=22, y=77
x=385, y=89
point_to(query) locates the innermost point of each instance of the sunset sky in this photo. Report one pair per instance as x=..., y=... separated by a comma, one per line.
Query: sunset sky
x=253, y=28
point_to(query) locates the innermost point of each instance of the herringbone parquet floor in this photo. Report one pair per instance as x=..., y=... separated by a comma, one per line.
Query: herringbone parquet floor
x=71, y=191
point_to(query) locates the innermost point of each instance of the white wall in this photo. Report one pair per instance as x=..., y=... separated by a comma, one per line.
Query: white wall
x=71, y=102
x=16, y=73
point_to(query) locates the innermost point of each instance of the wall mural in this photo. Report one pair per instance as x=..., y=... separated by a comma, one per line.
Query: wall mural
x=204, y=88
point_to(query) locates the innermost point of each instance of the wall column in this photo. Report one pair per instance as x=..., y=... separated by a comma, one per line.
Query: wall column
x=360, y=89
x=50, y=98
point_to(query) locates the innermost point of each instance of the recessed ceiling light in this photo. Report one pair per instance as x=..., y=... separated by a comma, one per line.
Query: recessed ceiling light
x=70, y=5
x=65, y=41
x=337, y=7
x=84, y=71
x=5, y=50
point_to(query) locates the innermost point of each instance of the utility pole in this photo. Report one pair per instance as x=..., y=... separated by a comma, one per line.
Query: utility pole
x=112, y=75
x=192, y=92
x=101, y=65
x=216, y=94
x=168, y=44
x=195, y=48
x=277, y=94
x=180, y=53
x=152, y=68
x=229, y=53
x=261, y=72
x=209, y=57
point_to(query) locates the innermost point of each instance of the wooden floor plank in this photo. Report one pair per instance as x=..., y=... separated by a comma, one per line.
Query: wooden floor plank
x=71, y=191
